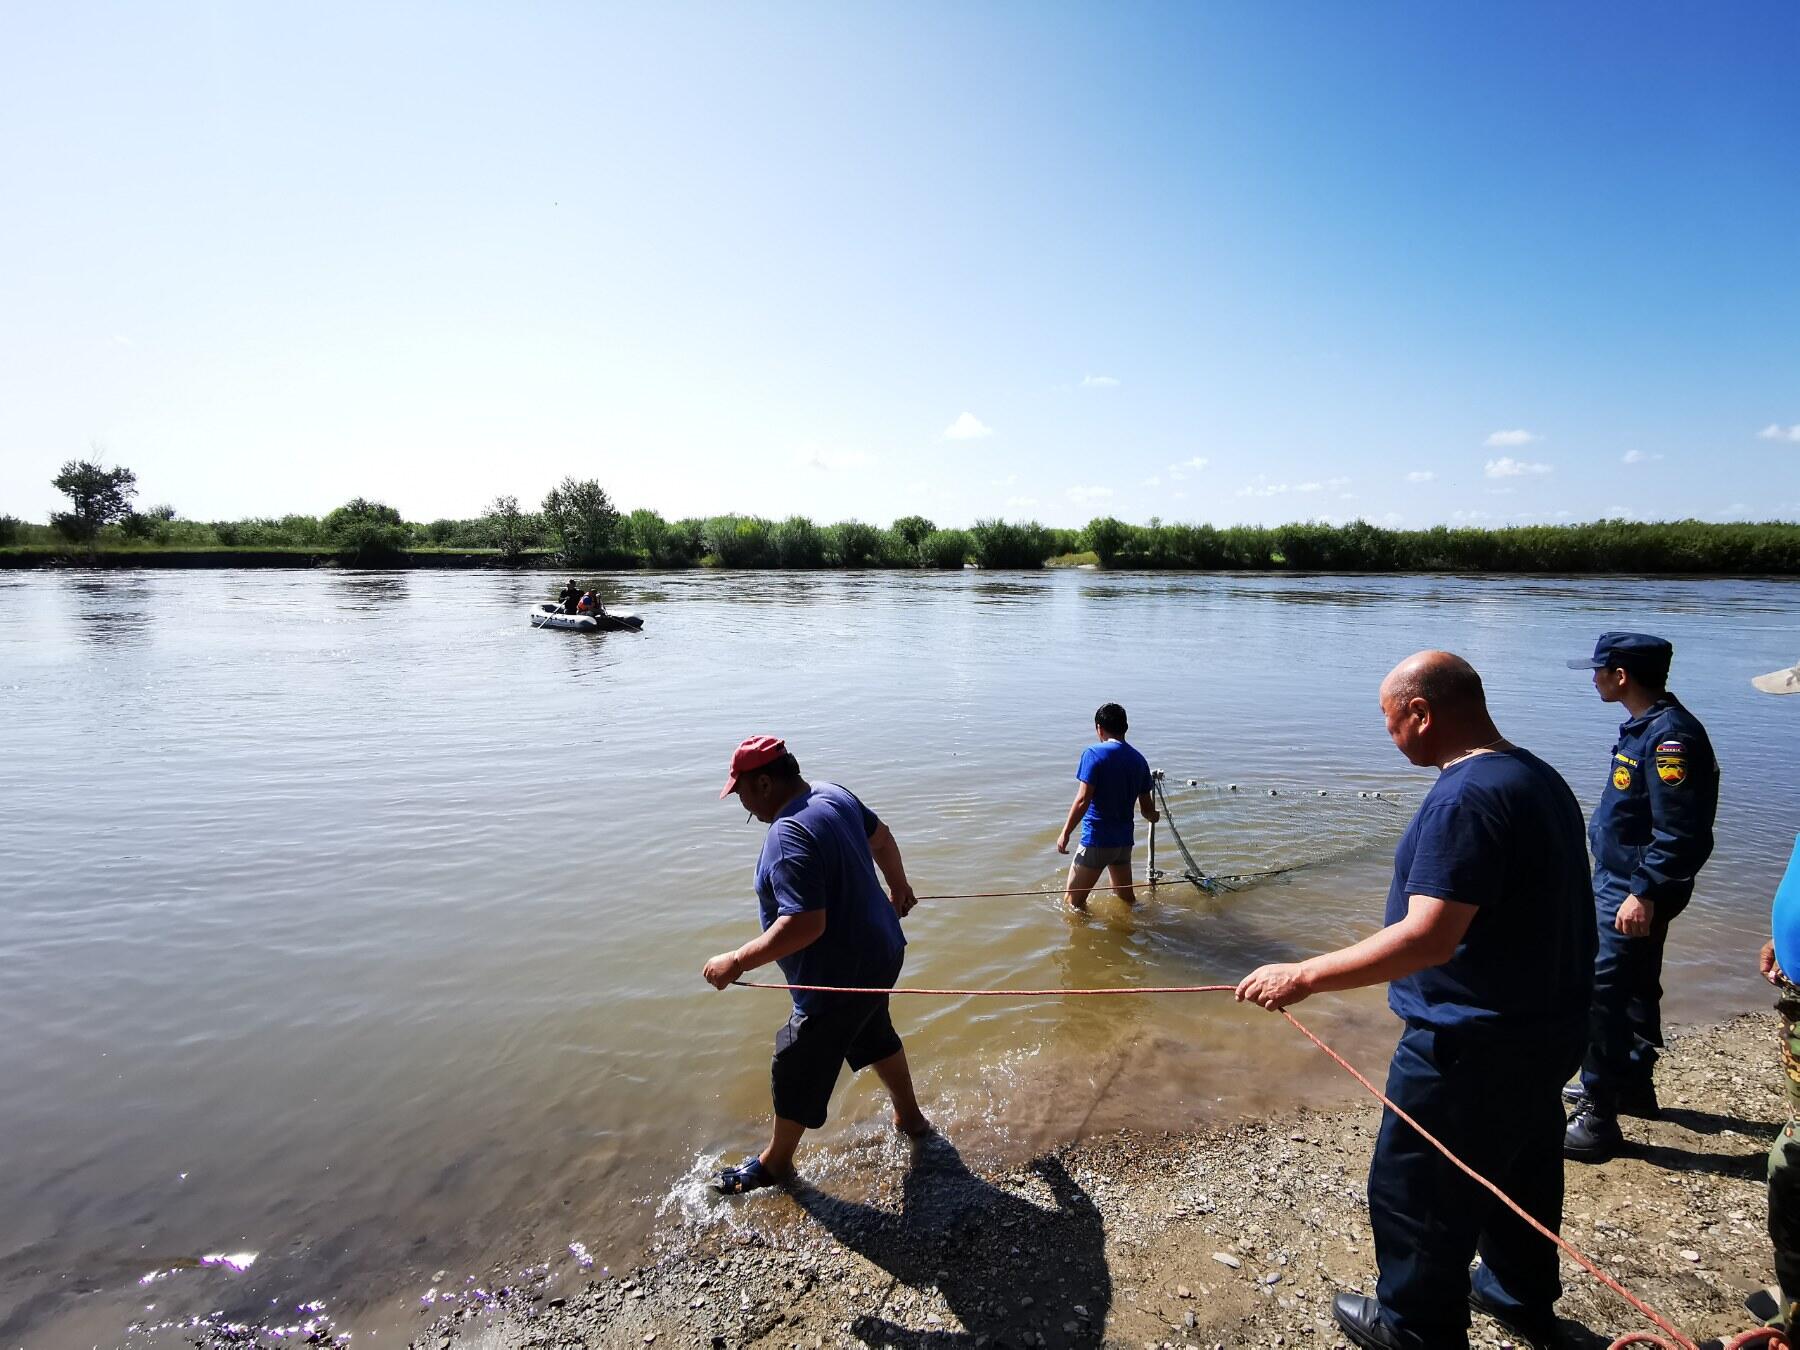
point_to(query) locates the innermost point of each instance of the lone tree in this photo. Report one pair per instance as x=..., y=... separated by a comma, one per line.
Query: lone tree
x=583, y=519
x=97, y=498
x=508, y=526
x=363, y=530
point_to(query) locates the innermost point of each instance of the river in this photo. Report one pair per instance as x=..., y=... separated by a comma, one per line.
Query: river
x=353, y=924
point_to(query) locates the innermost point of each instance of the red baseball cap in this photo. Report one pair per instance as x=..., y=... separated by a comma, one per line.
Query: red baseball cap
x=751, y=755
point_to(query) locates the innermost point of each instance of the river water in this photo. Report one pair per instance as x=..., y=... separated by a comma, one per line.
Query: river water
x=352, y=923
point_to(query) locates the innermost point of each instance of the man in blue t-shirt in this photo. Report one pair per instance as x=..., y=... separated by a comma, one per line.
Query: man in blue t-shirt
x=825, y=921
x=1114, y=778
x=1488, y=955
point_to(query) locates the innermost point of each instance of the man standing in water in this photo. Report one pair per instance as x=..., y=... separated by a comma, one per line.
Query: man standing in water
x=1651, y=832
x=1488, y=954
x=1114, y=777
x=825, y=921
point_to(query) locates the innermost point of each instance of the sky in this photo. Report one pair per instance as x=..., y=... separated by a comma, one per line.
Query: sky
x=1413, y=263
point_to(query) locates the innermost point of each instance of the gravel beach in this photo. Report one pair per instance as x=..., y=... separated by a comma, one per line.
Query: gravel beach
x=1228, y=1237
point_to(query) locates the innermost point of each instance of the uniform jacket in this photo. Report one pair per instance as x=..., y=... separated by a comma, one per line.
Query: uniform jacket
x=1653, y=828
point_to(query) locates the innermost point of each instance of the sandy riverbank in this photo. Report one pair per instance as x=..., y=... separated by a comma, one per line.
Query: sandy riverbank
x=1234, y=1236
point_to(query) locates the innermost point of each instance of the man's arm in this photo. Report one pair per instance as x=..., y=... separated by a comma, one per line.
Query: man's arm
x=886, y=851
x=787, y=935
x=1147, y=804
x=1428, y=936
x=1084, y=795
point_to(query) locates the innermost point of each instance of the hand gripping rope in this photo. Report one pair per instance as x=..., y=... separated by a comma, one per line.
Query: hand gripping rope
x=1672, y=1338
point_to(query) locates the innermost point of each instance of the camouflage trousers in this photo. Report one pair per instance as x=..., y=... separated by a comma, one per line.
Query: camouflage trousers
x=1784, y=1165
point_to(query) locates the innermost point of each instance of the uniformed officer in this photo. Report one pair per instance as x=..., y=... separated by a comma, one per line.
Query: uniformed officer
x=1650, y=834
x=1488, y=954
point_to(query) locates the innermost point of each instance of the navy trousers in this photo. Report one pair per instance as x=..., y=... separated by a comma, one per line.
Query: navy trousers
x=1625, y=1020
x=1495, y=1101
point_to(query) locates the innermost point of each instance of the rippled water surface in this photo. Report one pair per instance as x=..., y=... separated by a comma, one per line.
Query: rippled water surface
x=353, y=924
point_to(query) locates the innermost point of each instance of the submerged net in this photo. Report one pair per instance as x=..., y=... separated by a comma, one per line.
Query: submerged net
x=1251, y=835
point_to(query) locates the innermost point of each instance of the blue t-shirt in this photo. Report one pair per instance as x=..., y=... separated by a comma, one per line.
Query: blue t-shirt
x=1118, y=775
x=816, y=856
x=1784, y=923
x=1500, y=831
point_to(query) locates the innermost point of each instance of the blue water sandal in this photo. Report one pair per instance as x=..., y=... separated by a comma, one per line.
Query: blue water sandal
x=749, y=1175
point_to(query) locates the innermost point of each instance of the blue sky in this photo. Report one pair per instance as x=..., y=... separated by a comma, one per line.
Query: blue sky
x=1252, y=262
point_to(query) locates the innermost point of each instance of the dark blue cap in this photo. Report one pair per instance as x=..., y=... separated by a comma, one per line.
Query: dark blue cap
x=1629, y=651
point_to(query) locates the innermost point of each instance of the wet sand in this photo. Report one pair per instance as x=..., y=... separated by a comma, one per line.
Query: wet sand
x=1237, y=1235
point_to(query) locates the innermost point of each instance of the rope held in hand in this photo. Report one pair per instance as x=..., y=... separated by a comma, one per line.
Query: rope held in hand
x=1761, y=1336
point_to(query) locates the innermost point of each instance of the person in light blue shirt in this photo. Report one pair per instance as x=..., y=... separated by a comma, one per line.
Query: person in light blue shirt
x=1114, y=778
x=1781, y=954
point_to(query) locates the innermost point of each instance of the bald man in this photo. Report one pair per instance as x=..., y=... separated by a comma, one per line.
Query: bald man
x=1488, y=956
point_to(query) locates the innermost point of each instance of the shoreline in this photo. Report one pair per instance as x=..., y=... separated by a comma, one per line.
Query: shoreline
x=1236, y=1234
x=46, y=558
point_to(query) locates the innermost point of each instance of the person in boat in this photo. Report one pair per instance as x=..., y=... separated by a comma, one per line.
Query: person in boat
x=585, y=605
x=1651, y=833
x=1780, y=954
x=570, y=597
x=825, y=921
x=1488, y=955
x=1113, y=778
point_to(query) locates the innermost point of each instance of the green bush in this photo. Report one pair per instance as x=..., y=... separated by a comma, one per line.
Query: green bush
x=738, y=541
x=366, y=531
x=796, y=542
x=1000, y=543
x=945, y=548
x=850, y=543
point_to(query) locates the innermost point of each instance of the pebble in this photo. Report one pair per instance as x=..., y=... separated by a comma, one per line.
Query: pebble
x=1227, y=1260
x=1690, y=1256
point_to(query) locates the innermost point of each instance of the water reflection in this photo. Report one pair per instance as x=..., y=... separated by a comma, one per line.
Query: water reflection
x=112, y=608
x=1004, y=592
x=369, y=592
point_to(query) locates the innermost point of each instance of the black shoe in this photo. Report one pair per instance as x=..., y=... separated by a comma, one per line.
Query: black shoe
x=1591, y=1137
x=1637, y=1101
x=1543, y=1335
x=1360, y=1317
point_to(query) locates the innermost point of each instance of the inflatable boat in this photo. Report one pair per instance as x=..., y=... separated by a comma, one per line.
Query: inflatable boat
x=612, y=621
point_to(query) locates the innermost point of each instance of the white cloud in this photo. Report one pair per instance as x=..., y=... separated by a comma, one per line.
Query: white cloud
x=1621, y=513
x=1779, y=433
x=1637, y=457
x=968, y=427
x=1260, y=486
x=1518, y=436
x=1154, y=480
x=829, y=460
x=1420, y=476
x=1021, y=503
x=1099, y=382
x=1508, y=467
x=1087, y=495
x=1197, y=462
x=1392, y=518
x=1471, y=517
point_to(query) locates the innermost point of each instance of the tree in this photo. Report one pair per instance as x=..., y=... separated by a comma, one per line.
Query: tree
x=1106, y=537
x=583, y=519
x=97, y=498
x=911, y=532
x=364, y=530
x=506, y=523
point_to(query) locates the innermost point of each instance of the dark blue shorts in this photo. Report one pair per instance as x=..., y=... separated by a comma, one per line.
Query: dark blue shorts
x=851, y=1029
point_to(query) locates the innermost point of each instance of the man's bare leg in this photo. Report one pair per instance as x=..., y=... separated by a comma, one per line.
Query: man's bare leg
x=896, y=1077
x=1081, y=881
x=1120, y=876
x=778, y=1157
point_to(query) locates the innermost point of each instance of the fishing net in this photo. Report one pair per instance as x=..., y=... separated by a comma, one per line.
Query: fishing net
x=1251, y=835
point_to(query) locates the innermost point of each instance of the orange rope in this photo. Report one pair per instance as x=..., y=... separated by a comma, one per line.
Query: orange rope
x=1761, y=1336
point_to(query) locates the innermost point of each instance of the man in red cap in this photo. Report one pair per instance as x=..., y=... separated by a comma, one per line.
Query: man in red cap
x=826, y=921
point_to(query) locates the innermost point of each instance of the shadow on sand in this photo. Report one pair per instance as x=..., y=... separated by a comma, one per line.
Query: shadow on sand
x=1003, y=1264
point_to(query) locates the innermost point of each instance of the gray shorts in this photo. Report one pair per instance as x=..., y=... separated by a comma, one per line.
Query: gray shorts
x=1098, y=858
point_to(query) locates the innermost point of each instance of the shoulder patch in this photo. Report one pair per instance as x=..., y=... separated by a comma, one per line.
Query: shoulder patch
x=1671, y=748
x=1672, y=769
x=1621, y=778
